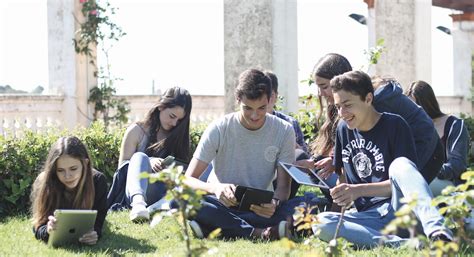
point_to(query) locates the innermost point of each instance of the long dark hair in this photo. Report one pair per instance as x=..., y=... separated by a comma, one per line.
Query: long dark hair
x=328, y=67
x=177, y=143
x=48, y=193
x=425, y=97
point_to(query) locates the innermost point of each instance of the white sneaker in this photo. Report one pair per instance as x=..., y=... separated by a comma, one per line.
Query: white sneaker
x=161, y=205
x=196, y=228
x=139, y=213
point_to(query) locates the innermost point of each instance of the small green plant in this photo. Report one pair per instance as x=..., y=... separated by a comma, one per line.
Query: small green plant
x=188, y=200
x=405, y=219
x=457, y=204
x=373, y=54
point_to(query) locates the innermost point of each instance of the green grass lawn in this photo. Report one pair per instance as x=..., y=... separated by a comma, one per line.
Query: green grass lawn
x=122, y=237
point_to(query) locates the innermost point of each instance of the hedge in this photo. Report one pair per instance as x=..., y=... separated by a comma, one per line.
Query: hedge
x=22, y=158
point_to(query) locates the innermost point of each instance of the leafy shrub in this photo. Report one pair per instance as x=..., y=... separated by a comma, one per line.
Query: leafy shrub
x=469, y=122
x=22, y=159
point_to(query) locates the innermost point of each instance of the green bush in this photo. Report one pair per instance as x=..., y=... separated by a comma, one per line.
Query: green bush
x=469, y=122
x=23, y=157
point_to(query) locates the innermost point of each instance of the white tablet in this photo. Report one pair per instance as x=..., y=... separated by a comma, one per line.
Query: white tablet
x=71, y=225
x=304, y=175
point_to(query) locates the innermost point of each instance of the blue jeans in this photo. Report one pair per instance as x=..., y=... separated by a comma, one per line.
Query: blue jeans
x=363, y=228
x=152, y=193
x=234, y=223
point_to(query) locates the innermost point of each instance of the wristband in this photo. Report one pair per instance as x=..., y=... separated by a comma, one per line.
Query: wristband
x=276, y=201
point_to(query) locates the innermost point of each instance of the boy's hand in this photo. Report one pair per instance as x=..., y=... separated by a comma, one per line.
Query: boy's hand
x=344, y=194
x=226, y=194
x=51, y=225
x=265, y=210
x=89, y=238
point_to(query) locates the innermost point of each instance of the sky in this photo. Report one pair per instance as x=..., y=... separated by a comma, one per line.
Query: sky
x=180, y=43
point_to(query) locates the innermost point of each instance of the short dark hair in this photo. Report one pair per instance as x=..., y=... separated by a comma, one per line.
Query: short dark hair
x=273, y=79
x=355, y=82
x=331, y=65
x=253, y=84
x=425, y=97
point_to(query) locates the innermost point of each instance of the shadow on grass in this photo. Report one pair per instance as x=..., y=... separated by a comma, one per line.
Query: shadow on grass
x=113, y=244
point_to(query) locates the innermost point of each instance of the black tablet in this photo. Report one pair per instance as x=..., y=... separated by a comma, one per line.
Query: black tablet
x=248, y=196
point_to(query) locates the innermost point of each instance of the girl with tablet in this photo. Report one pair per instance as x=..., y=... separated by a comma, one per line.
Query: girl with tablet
x=68, y=182
x=163, y=132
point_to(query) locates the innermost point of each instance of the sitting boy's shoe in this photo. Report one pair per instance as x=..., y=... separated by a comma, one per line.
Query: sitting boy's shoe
x=441, y=235
x=196, y=228
x=139, y=213
x=277, y=232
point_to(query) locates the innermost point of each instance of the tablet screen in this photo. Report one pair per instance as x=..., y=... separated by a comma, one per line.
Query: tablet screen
x=304, y=175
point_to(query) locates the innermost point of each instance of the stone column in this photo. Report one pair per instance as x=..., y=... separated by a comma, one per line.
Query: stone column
x=61, y=57
x=66, y=76
x=85, y=79
x=261, y=34
x=405, y=25
x=463, y=51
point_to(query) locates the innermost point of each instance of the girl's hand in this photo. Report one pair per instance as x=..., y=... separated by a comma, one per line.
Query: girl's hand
x=307, y=163
x=156, y=164
x=325, y=167
x=51, y=225
x=89, y=238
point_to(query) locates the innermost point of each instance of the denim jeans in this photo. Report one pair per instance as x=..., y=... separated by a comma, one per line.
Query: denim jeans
x=234, y=223
x=363, y=228
x=152, y=193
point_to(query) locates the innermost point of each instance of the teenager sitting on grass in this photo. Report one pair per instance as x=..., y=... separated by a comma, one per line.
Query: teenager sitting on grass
x=375, y=156
x=388, y=97
x=163, y=132
x=301, y=147
x=245, y=148
x=68, y=182
x=453, y=134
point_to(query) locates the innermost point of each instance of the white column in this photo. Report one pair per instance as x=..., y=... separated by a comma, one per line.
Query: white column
x=70, y=74
x=405, y=25
x=85, y=79
x=285, y=52
x=261, y=34
x=463, y=50
x=61, y=56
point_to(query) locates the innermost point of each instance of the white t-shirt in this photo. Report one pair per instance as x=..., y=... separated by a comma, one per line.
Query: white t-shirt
x=246, y=157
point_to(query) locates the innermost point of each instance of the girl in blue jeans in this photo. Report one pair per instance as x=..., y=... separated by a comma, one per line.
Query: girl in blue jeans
x=163, y=132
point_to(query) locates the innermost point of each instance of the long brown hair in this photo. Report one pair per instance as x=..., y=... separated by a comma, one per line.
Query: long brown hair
x=49, y=194
x=425, y=97
x=177, y=143
x=328, y=67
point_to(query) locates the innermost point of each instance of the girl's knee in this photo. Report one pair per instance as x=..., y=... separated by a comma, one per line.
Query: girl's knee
x=139, y=156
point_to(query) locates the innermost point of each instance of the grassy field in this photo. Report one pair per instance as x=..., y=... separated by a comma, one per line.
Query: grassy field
x=123, y=238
